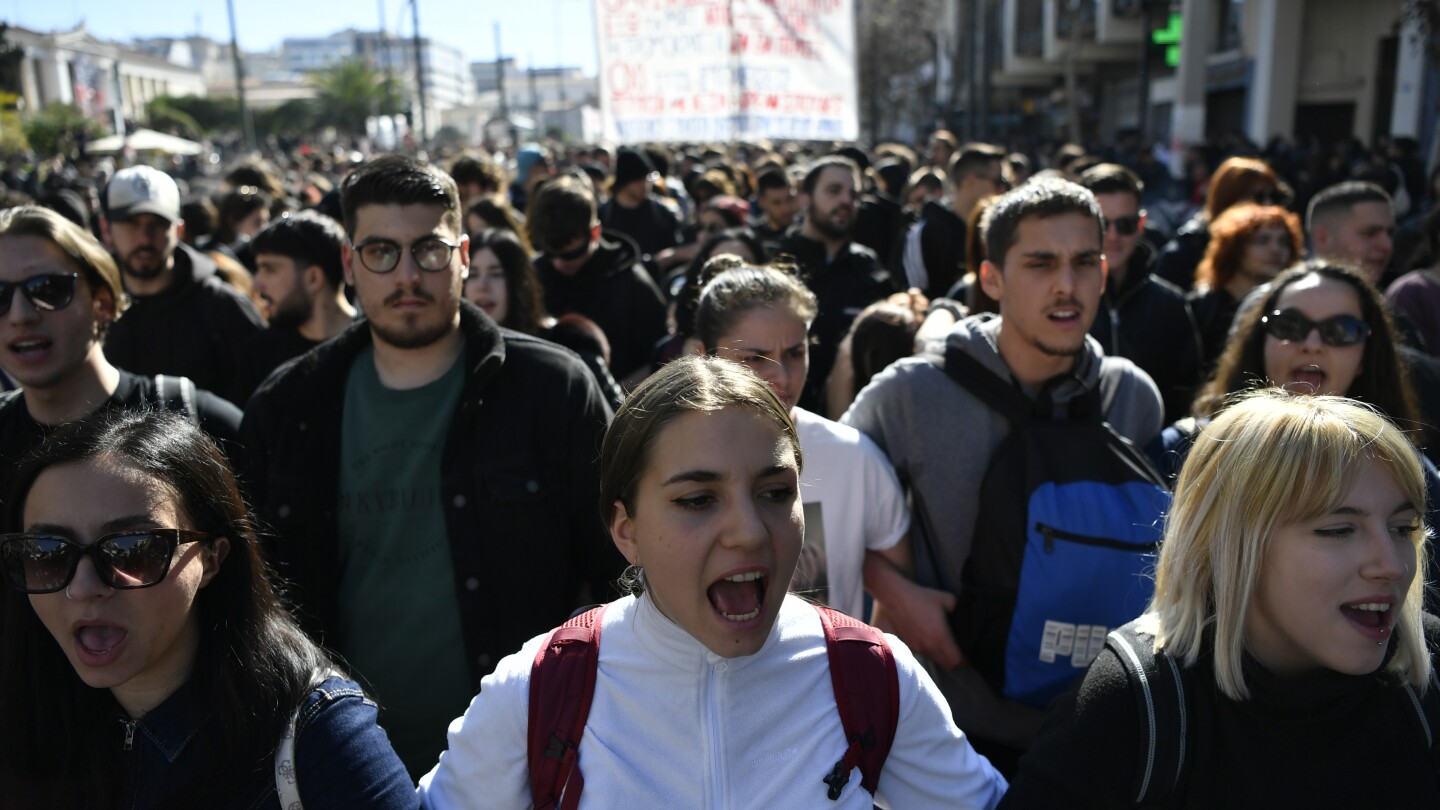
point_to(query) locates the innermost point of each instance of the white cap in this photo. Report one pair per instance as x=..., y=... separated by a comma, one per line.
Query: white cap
x=142, y=190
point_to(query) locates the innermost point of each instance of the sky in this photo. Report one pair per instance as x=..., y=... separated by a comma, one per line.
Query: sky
x=544, y=33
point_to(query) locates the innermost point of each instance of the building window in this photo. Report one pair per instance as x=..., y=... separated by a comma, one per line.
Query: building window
x=1231, y=19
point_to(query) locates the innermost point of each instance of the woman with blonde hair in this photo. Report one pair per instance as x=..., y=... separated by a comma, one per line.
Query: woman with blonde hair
x=1284, y=652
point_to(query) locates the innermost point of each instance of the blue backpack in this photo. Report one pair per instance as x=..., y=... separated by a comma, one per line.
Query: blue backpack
x=1065, y=540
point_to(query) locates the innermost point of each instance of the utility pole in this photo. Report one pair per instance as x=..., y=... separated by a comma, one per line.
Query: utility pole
x=419, y=67
x=246, y=121
x=500, y=85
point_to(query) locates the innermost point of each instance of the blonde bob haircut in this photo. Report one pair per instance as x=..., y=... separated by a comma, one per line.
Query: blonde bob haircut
x=91, y=258
x=1270, y=459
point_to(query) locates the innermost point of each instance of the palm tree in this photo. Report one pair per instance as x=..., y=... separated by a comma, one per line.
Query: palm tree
x=351, y=91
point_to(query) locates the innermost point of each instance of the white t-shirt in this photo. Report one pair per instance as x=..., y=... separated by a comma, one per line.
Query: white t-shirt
x=674, y=725
x=853, y=503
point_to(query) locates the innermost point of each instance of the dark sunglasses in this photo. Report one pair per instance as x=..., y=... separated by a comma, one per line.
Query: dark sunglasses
x=1125, y=226
x=1338, y=330
x=570, y=255
x=432, y=254
x=45, y=563
x=48, y=292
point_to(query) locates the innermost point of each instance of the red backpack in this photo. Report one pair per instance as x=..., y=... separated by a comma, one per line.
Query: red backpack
x=562, y=684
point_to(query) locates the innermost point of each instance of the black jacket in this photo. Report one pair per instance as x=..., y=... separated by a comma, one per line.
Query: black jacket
x=19, y=433
x=615, y=292
x=518, y=484
x=843, y=286
x=1181, y=255
x=1296, y=742
x=1147, y=320
x=195, y=328
x=941, y=234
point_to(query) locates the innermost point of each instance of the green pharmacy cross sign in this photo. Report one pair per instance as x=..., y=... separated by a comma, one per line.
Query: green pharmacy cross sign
x=1169, y=36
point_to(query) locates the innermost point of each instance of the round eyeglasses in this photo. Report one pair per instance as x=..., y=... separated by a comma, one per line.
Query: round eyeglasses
x=432, y=254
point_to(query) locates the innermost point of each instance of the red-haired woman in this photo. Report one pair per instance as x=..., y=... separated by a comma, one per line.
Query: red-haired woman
x=1238, y=180
x=1249, y=245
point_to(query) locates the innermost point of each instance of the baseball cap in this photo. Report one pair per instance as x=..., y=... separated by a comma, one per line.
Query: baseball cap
x=142, y=190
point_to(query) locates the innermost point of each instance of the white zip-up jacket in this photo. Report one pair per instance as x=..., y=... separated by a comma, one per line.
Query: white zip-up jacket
x=673, y=725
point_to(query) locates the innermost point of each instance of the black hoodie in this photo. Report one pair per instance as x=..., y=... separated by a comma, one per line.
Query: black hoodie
x=613, y=290
x=195, y=327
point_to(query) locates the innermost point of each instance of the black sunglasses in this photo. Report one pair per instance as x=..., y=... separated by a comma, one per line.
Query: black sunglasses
x=45, y=563
x=570, y=255
x=432, y=254
x=1338, y=330
x=48, y=292
x=1125, y=226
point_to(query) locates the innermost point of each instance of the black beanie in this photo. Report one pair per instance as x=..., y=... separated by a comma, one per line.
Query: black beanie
x=630, y=166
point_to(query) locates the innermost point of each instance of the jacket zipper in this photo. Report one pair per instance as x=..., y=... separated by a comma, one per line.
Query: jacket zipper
x=129, y=733
x=1051, y=533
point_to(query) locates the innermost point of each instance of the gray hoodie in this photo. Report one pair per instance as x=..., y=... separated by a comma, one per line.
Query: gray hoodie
x=940, y=439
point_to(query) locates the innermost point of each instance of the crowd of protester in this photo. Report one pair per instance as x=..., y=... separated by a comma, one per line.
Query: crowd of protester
x=371, y=390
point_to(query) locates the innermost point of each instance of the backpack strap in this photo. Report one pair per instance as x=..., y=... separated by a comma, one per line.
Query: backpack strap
x=867, y=693
x=177, y=394
x=562, y=685
x=990, y=388
x=1160, y=695
x=287, y=778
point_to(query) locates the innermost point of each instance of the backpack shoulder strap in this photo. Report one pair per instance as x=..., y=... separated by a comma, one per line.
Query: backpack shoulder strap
x=287, y=777
x=562, y=685
x=177, y=394
x=1160, y=694
x=990, y=388
x=867, y=693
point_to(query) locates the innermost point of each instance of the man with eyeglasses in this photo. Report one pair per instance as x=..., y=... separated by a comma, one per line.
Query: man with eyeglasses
x=933, y=255
x=60, y=292
x=596, y=273
x=184, y=319
x=1142, y=317
x=429, y=478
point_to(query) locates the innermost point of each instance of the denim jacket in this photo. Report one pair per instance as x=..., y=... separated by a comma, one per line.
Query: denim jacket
x=342, y=758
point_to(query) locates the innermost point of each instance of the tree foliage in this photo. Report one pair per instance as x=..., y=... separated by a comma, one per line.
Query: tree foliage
x=351, y=91
x=57, y=129
x=896, y=43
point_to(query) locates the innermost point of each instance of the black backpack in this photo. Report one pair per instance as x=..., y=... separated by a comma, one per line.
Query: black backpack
x=1069, y=523
x=1164, y=713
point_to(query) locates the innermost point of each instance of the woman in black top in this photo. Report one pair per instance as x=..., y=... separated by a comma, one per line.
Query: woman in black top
x=1287, y=598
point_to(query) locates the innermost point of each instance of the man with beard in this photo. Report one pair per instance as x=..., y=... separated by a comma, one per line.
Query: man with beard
x=183, y=321
x=429, y=478
x=1047, y=271
x=299, y=276
x=845, y=276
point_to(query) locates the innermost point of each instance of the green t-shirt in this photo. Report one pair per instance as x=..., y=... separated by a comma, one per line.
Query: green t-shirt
x=399, y=616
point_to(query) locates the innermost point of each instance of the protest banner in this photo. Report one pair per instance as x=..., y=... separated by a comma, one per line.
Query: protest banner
x=727, y=70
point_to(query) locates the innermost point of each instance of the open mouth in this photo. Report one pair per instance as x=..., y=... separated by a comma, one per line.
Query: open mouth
x=1374, y=619
x=1064, y=316
x=1310, y=377
x=27, y=347
x=99, y=639
x=738, y=597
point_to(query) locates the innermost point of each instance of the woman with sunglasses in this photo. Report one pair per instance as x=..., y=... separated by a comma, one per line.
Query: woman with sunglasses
x=1239, y=180
x=712, y=687
x=1284, y=658
x=1249, y=245
x=1320, y=329
x=145, y=661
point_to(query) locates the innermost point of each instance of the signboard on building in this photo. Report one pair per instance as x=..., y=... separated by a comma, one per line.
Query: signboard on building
x=723, y=70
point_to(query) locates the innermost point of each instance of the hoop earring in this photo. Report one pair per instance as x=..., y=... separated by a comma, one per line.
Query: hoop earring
x=67, y=594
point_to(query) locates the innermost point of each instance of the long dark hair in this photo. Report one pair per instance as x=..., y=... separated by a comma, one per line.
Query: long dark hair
x=1383, y=380
x=252, y=668
x=524, y=307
